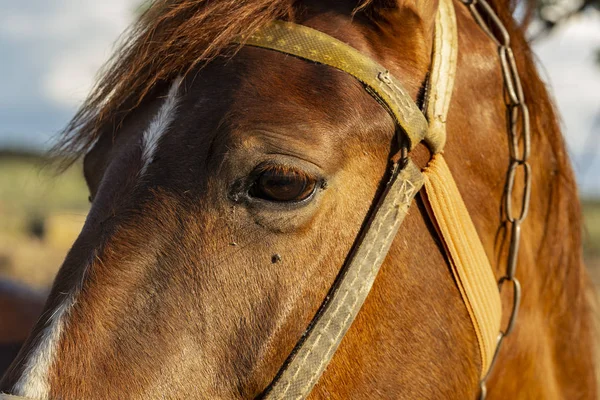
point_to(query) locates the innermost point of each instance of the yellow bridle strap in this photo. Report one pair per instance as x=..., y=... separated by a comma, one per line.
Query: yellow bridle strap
x=470, y=266
x=312, y=45
x=469, y=263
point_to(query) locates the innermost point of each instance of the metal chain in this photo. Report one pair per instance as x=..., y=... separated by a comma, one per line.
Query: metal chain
x=520, y=147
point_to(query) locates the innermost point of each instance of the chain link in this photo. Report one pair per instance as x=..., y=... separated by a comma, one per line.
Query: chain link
x=520, y=148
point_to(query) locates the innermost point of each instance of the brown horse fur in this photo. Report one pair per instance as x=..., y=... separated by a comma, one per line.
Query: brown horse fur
x=178, y=292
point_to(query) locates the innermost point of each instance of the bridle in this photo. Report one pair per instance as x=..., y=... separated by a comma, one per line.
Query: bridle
x=471, y=268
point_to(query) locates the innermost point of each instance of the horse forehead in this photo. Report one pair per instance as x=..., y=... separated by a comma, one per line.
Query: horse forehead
x=258, y=85
x=262, y=99
x=293, y=82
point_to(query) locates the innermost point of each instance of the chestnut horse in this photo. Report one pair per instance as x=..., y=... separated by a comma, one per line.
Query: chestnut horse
x=228, y=188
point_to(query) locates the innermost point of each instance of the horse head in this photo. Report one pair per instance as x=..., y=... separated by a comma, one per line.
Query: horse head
x=229, y=184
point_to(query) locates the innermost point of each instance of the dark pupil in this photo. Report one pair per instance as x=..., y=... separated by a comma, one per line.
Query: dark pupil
x=276, y=185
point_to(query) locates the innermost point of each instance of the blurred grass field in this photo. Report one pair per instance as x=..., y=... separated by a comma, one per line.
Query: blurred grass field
x=42, y=212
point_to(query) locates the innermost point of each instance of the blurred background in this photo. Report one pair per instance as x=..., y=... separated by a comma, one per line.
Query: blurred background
x=50, y=52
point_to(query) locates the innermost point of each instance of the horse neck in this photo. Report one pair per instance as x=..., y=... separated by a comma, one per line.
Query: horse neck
x=415, y=314
x=555, y=319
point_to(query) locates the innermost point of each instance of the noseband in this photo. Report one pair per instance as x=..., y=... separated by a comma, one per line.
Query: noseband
x=465, y=253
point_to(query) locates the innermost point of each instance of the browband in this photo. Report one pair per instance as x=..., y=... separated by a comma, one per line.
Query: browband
x=312, y=45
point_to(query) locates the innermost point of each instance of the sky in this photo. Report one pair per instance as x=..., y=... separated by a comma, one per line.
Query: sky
x=50, y=52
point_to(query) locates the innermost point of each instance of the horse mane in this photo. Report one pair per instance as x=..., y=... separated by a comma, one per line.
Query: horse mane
x=171, y=38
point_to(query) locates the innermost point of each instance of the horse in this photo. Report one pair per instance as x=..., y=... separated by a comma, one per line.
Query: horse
x=230, y=182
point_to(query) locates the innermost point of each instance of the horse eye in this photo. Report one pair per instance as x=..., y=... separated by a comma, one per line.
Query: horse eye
x=284, y=185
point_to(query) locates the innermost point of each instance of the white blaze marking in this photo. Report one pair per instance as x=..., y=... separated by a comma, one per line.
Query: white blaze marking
x=159, y=125
x=33, y=383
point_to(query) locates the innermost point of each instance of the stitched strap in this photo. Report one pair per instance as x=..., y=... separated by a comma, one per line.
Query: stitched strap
x=470, y=266
x=443, y=74
x=312, y=45
x=312, y=354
